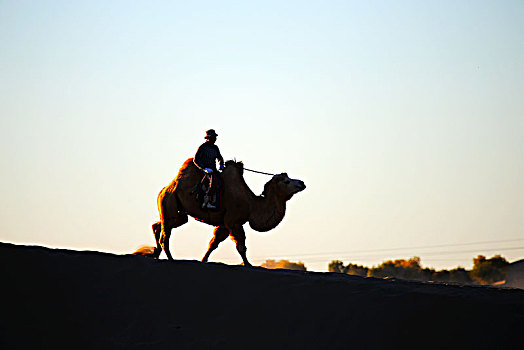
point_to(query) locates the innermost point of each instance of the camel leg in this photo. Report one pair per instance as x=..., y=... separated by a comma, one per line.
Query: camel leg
x=163, y=241
x=165, y=234
x=219, y=235
x=157, y=230
x=239, y=237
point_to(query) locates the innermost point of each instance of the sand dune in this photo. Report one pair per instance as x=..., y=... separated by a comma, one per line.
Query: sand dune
x=51, y=298
x=515, y=276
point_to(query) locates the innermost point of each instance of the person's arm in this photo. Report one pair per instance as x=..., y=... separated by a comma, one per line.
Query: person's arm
x=220, y=159
x=198, y=157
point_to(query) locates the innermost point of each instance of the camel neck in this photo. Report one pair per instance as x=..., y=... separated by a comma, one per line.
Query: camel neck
x=266, y=213
x=240, y=184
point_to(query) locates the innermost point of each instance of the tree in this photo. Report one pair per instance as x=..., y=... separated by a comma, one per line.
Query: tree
x=336, y=266
x=357, y=270
x=489, y=271
x=485, y=271
x=406, y=269
x=457, y=275
x=350, y=269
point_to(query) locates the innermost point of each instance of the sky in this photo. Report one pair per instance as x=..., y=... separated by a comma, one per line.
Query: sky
x=405, y=119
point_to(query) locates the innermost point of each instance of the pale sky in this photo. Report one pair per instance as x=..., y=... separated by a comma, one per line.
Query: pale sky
x=405, y=119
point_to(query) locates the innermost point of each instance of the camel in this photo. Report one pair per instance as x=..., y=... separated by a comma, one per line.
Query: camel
x=238, y=206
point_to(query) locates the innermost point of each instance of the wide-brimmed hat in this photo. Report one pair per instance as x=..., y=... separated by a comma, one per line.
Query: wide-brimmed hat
x=210, y=133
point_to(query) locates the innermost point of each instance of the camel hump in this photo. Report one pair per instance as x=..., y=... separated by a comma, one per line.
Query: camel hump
x=190, y=173
x=188, y=169
x=187, y=164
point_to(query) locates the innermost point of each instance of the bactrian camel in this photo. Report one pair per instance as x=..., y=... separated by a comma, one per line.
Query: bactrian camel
x=238, y=206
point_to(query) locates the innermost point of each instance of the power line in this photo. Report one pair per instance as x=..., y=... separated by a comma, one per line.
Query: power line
x=464, y=251
x=426, y=254
x=392, y=249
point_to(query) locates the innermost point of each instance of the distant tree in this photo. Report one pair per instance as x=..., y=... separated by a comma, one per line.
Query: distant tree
x=350, y=269
x=460, y=275
x=336, y=266
x=357, y=270
x=486, y=271
x=427, y=274
x=284, y=264
x=406, y=269
x=489, y=271
x=457, y=275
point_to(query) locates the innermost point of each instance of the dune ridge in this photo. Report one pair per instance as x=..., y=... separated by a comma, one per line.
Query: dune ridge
x=93, y=300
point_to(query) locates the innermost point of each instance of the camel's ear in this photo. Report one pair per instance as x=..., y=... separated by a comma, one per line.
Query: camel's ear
x=282, y=177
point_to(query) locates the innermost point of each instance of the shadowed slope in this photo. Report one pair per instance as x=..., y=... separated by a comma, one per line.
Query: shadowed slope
x=97, y=300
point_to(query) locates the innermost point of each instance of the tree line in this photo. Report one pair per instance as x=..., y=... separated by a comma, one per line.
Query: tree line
x=484, y=271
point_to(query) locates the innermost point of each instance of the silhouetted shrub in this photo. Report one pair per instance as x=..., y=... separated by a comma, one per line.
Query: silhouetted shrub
x=336, y=266
x=405, y=269
x=485, y=271
x=284, y=264
x=357, y=270
x=350, y=269
x=488, y=271
x=457, y=275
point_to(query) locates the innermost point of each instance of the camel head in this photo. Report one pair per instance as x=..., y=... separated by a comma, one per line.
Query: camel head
x=282, y=186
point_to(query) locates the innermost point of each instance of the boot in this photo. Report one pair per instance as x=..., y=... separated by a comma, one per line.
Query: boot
x=206, y=202
x=212, y=202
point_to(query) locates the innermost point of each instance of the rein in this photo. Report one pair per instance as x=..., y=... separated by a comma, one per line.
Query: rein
x=259, y=172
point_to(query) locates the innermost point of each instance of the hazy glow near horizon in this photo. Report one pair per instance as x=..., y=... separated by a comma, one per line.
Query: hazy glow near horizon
x=404, y=119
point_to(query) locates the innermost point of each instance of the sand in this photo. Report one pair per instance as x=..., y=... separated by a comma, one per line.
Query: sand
x=89, y=300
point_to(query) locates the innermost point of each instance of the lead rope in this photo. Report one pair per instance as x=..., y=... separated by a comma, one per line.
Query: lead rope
x=259, y=172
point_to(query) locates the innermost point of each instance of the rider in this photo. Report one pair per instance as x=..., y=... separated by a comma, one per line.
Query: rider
x=205, y=158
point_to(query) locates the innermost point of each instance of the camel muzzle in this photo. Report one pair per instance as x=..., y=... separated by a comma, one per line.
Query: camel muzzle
x=301, y=186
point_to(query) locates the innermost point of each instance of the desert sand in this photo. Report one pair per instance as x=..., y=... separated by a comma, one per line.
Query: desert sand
x=53, y=298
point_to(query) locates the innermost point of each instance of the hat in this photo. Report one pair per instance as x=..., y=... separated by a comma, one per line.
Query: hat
x=210, y=133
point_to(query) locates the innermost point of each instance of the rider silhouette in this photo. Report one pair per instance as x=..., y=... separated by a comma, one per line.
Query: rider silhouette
x=205, y=158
